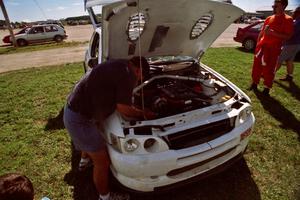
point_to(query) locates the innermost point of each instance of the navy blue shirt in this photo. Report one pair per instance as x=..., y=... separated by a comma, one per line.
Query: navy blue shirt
x=98, y=92
x=295, y=39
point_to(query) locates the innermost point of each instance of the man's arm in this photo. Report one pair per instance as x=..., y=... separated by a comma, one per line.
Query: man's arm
x=261, y=33
x=287, y=30
x=283, y=36
x=133, y=112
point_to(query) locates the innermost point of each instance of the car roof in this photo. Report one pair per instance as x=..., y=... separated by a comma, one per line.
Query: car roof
x=255, y=23
x=42, y=25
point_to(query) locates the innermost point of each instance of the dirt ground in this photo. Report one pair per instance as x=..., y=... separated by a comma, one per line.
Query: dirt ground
x=76, y=54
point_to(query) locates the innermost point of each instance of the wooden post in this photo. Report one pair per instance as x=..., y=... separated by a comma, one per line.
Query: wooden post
x=8, y=23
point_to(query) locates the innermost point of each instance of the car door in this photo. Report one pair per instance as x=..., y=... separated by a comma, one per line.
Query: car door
x=50, y=31
x=93, y=54
x=36, y=34
x=254, y=31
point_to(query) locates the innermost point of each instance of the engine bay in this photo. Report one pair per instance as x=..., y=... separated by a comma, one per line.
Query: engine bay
x=187, y=87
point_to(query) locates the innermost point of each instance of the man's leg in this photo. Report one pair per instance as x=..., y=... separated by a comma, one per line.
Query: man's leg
x=256, y=72
x=84, y=162
x=290, y=67
x=101, y=163
x=291, y=52
x=86, y=137
x=271, y=55
x=289, y=70
x=282, y=57
x=84, y=154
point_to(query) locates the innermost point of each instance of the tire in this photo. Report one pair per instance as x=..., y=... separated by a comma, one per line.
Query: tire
x=22, y=42
x=249, y=44
x=58, y=38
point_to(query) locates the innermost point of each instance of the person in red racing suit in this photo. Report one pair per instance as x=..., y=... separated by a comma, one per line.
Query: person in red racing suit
x=276, y=29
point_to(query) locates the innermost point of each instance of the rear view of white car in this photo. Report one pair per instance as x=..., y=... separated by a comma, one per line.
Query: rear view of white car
x=203, y=120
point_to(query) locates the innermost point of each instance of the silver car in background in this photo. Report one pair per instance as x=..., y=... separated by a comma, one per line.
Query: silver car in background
x=41, y=33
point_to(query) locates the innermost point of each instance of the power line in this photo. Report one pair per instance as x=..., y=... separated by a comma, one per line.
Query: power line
x=42, y=11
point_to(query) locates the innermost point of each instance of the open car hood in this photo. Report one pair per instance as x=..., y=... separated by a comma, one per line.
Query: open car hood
x=168, y=27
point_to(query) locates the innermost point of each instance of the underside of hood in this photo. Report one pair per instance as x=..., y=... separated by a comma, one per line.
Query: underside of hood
x=160, y=28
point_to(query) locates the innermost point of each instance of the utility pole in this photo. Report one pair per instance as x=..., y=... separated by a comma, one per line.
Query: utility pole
x=8, y=23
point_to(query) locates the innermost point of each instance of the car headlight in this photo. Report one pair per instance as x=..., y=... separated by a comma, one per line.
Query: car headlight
x=151, y=145
x=244, y=115
x=138, y=144
x=131, y=145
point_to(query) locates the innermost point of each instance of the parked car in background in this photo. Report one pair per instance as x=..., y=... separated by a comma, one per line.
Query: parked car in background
x=6, y=39
x=37, y=34
x=56, y=22
x=252, y=20
x=248, y=35
x=203, y=121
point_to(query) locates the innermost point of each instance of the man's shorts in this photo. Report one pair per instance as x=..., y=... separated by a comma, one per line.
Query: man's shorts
x=288, y=53
x=84, y=132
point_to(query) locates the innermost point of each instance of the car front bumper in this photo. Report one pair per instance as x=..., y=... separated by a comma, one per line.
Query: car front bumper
x=6, y=40
x=147, y=173
x=238, y=39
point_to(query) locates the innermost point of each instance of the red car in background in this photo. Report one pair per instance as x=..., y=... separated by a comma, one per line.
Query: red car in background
x=248, y=35
x=6, y=39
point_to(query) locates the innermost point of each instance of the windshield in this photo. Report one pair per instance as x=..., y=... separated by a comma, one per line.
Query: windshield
x=24, y=30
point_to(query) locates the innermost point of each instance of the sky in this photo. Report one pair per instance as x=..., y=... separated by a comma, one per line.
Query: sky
x=36, y=10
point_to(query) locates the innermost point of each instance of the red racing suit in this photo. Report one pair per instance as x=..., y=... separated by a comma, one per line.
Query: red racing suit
x=268, y=49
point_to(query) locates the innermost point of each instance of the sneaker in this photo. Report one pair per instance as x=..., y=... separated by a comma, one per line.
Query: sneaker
x=84, y=163
x=117, y=196
x=287, y=78
x=253, y=86
x=266, y=92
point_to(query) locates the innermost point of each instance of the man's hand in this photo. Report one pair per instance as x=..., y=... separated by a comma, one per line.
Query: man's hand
x=148, y=114
x=133, y=112
x=274, y=33
x=267, y=30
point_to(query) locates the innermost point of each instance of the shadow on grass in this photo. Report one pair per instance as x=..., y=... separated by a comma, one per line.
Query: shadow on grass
x=5, y=45
x=82, y=182
x=56, y=123
x=280, y=113
x=291, y=88
x=233, y=184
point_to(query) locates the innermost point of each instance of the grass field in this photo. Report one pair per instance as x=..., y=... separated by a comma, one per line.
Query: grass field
x=34, y=142
x=38, y=47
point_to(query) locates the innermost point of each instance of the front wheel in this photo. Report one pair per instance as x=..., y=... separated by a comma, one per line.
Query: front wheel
x=22, y=42
x=249, y=44
x=58, y=38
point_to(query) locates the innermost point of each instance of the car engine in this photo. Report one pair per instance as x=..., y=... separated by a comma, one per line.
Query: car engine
x=171, y=95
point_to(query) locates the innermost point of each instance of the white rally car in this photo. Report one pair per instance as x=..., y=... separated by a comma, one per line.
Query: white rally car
x=204, y=121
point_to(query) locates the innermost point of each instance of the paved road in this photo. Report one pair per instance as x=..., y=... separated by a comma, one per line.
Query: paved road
x=226, y=38
x=76, y=54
